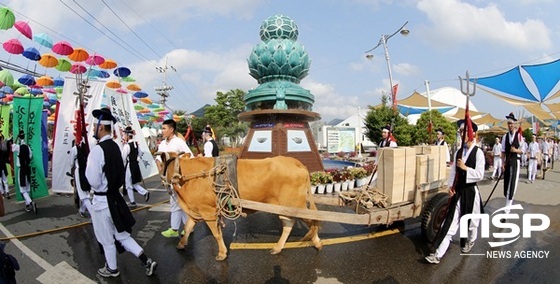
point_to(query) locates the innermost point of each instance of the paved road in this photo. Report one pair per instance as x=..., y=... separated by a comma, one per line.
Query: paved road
x=58, y=246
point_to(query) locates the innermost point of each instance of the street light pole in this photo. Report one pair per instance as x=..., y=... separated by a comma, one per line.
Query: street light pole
x=383, y=41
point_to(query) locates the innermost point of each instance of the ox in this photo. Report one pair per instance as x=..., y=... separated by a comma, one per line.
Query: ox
x=280, y=181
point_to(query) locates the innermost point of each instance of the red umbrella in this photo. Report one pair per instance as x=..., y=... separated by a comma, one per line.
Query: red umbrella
x=78, y=68
x=95, y=60
x=13, y=46
x=62, y=48
x=24, y=29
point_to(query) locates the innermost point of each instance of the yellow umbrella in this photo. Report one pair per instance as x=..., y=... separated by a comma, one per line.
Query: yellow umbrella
x=108, y=64
x=146, y=100
x=113, y=84
x=45, y=81
x=134, y=87
x=48, y=60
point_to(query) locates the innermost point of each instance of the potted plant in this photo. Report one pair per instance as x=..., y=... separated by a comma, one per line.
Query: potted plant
x=320, y=179
x=337, y=179
x=359, y=174
x=350, y=178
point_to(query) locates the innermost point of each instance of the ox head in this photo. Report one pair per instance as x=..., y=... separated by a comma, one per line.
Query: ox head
x=169, y=170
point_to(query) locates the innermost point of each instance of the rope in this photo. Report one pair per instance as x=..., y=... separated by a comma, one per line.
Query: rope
x=366, y=197
x=225, y=194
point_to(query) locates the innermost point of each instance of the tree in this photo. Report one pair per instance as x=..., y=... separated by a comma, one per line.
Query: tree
x=380, y=116
x=421, y=134
x=222, y=117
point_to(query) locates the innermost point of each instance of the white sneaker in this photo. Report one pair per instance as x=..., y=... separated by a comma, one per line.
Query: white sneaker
x=468, y=246
x=432, y=258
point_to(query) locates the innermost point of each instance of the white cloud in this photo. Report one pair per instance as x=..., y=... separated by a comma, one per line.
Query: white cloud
x=456, y=22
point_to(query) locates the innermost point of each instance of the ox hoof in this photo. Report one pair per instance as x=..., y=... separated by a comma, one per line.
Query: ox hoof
x=221, y=257
x=180, y=247
x=275, y=251
x=319, y=246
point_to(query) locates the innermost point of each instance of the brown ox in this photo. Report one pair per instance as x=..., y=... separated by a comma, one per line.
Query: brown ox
x=280, y=181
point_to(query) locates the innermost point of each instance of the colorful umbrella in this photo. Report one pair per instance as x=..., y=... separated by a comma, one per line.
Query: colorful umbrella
x=48, y=60
x=45, y=81
x=140, y=95
x=121, y=91
x=79, y=54
x=50, y=90
x=43, y=39
x=108, y=64
x=113, y=84
x=134, y=87
x=31, y=53
x=95, y=60
x=6, y=77
x=146, y=100
x=103, y=74
x=121, y=72
x=136, y=107
x=7, y=18
x=6, y=90
x=63, y=65
x=58, y=82
x=24, y=29
x=63, y=48
x=78, y=68
x=128, y=79
x=13, y=46
x=27, y=80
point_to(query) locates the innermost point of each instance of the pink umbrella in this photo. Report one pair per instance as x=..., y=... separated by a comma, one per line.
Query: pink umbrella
x=24, y=29
x=121, y=91
x=95, y=60
x=13, y=46
x=77, y=68
x=62, y=48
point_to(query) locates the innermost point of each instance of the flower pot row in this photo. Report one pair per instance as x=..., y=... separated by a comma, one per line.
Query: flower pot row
x=330, y=188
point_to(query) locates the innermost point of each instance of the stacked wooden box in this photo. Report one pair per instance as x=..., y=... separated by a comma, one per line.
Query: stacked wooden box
x=396, y=173
x=430, y=163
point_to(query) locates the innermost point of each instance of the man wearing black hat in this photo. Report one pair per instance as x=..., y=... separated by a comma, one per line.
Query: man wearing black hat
x=110, y=216
x=131, y=153
x=388, y=139
x=210, y=146
x=441, y=142
x=465, y=195
x=23, y=161
x=511, y=154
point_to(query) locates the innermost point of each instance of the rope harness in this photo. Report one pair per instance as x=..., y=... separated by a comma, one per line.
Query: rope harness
x=227, y=196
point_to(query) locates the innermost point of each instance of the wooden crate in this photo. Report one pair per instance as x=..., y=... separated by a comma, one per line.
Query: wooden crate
x=438, y=155
x=396, y=175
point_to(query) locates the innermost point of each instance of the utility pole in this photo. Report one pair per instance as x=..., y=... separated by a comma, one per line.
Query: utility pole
x=162, y=90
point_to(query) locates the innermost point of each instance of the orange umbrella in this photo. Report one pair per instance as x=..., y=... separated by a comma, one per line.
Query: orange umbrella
x=78, y=55
x=108, y=64
x=45, y=81
x=146, y=100
x=113, y=84
x=134, y=87
x=48, y=60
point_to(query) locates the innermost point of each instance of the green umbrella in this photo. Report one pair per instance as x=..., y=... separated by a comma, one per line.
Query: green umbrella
x=7, y=18
x=128, y=79
x=17, y=85
x=138, y=107
x=22, y=91
x=6, y=77
x=63, y=65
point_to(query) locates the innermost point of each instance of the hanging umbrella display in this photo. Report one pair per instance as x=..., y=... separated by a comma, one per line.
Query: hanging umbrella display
x=58, y=82
x=121, y=72
x=7, y=18
x=43, y=39
x=26, y=80
x=21, y=91
x=108, y=64
x=62, y=48
x=63, y=65
x=31, y=53
x=45, y=81
x=79, y=54
x=146, y=100
x=113, y=84
x=128, y=79
x=48, y=60
x=78, y=68
x=13, y=46
x=6, y=77
x=95, y=59
x=6, y=90
x=24, y=29
x=140, y=95
x=134, y=87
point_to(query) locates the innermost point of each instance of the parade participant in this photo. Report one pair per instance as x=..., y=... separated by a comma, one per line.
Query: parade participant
x=210, y=146
x=524, y=148
x=130, y=155
x=111, y=218
x=4, y=159
x=23, y=162
x=532, y=152
x=388, y=139
x=172, y=143
x=84, y=198
x=497, y=154
x=441, y=142
x=465, y=195
x=545, y=149
x=511, y=152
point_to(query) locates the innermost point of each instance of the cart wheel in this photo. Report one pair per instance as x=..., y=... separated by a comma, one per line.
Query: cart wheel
x=433, y=216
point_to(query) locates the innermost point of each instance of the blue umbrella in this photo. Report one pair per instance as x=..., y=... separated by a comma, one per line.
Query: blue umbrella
x=43, y=40
x=140, y=94
x=36, y=91
x=121, y=72
x=31, y=53
x=6, y=90
x=58, y=82
x=27, y=80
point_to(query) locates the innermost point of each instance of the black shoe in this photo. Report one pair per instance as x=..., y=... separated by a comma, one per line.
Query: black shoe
x=150, y=267
x=82, y=214
x=147, y=196
x=28, y=207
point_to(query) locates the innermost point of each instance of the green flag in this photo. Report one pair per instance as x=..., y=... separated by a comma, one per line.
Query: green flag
x=27, y=112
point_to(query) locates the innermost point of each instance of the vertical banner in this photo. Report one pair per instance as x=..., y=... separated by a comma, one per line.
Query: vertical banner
x=27, y=114
x=5, y=130
x=45, y=143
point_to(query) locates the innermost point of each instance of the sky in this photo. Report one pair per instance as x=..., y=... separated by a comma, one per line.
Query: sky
x=208, y=43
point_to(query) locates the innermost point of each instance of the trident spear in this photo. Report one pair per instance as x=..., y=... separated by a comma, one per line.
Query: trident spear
x=468, y=127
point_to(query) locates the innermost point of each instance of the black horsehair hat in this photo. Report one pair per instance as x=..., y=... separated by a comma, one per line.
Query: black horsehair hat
x=440, y=130
x=104, y=116
x=461, y=122
x=511, y=117
x=128, y=130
